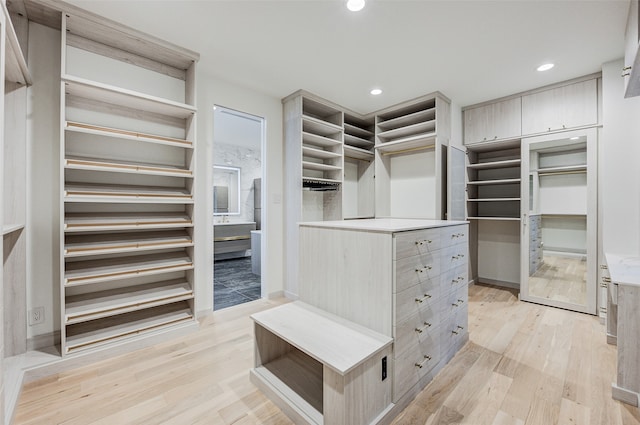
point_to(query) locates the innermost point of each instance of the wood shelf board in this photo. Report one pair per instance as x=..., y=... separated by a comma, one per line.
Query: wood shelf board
x=579, y=167
x=92, y=164
x=307, y=165
x=319, y=153
x=86, y=192
x=75, y=86
x=493, y=200
x=494, y=145
x=84, y=307
x=509, y=163
x=318, y=140
x=420, y=141
x=495, y=218
x=409, y=119
x=93, y=271
x=357, y=141
x=98, y=332
x=16, y=69
x=110, y=243
x=358, y=153
x=126, y=134
x=497, y=181
x=119, y=221
x=356, y=131
x=334, y=342
x=12, y=227
x=320, y=127
x=410, y=130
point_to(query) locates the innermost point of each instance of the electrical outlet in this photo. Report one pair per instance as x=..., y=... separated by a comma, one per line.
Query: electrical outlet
x=36, y=316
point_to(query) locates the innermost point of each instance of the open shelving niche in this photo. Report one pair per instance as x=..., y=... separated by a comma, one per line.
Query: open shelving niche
x=411, y=141
x=358, y=186
x=494, y=194
x=127, y=159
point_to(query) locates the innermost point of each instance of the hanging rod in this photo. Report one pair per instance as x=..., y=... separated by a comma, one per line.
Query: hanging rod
x=557, y=173
x=420, y=148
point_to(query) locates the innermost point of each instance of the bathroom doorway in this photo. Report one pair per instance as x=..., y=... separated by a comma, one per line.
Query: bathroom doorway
x=238, y=147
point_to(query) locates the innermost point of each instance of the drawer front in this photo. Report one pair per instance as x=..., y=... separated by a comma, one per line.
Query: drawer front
x=412, y=365
x=413, y=299
x=411, y=271
x=417, y=328
x=454, y=279
x=408, y=244
x=453, y=256
x=453, y=330
x=454, y=301
x=454, y=235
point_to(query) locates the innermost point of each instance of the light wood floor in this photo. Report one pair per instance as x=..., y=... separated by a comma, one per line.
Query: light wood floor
x=524, y=364
x=560, y=278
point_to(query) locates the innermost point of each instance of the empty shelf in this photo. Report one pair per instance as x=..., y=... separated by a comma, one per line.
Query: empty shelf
x=493, y=200
x=111, y=243
x=126, y=134
x=410, y=130
x=357, y=141
x=495, y=218
x=112, y=95
x=79, y=163
x=357, y=153
x=317, y=126
x=319, y=153
x=86, y=192
x=495, y=164
x=409, y=119
x=321, y=141
x=84, y=307
x=124, y=221
x=357, y=131
x=16, y=70
x=97, y=332
x=93, y=271
x=418, y=142
x=499, y=181
x=306, y=165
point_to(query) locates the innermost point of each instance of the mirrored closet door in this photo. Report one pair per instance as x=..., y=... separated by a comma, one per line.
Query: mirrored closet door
x=559, y=231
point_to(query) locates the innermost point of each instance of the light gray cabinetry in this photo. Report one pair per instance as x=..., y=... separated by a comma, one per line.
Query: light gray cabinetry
x=564, y=107
x=499, y=120
x=631, y=69
x=232, y=237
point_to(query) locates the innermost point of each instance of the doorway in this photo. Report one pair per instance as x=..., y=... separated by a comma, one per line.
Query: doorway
x=238, y=148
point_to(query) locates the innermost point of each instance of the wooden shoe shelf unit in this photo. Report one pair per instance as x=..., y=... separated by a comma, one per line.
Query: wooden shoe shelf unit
x=128, y=120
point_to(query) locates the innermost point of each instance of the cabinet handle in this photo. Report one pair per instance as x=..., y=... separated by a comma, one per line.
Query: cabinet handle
x=458, y=303
x=457, y=235
x=458, y=279
x=606, y=279
x=421, y=300
x=423, y=242
x=604, y=285
x=422, y=270
x=626, y=71
x=426, y=359
x=426, y=325
x=604, y=267
x=457, y=257
x=457, y=330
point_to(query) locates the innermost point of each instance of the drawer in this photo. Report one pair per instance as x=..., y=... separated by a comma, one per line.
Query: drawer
x=453, y=279
x=412, y=365
x=453, y=331
x=410, y=271
x=417, y=297
x=454, y=301
x=417, y=328
x=454, y=235
x=408, y=244
x=453, y=256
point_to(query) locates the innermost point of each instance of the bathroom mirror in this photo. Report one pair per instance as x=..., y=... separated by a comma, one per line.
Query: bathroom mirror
x=226, y=190
x=559, y=231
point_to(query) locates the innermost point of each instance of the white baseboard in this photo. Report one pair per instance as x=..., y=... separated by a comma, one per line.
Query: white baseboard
x=504, y=284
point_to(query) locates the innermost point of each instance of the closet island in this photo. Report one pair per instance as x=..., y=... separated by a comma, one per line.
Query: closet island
x=397, y=280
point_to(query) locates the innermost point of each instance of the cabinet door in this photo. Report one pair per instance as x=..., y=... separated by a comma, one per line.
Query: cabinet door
x=500, y=120
x=631, y=71
x=569, y=106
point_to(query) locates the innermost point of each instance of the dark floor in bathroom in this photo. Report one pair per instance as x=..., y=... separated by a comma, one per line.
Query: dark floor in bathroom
x=233, y=283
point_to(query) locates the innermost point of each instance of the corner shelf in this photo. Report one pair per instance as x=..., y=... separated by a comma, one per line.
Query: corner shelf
x=493, y=182
x=495, y=164
x=357, y=153
x=319, y=153
x=426, y=141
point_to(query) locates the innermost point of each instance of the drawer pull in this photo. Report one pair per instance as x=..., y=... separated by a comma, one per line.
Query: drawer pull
x=458, y=303
x=604, y=285
x=421, y=300
x=422, y=242
x=458, y=235
x=426, y=359
x=606, y=279
x=458, y=279
x=426, y=325
x=457, y=257
x=422, y=270
x=457, y=330
x=604, y=267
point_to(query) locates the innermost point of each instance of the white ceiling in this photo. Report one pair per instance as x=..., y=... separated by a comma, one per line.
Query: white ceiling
x=471, y=51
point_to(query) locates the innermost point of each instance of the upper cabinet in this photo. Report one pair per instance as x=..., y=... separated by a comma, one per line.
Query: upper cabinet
x=568, y=106
x=631, y=70
x=499, y=120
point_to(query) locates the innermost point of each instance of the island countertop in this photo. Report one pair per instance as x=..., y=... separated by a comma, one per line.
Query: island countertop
x=383, y=225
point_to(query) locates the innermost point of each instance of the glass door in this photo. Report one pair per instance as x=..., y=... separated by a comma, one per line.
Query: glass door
x=559, y=226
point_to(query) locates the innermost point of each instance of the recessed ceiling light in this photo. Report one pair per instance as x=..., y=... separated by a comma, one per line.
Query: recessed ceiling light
x=355, y=5
x=545, y=67
x=375, y=92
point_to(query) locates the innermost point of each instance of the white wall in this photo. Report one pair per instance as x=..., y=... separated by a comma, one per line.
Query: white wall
x=43, y=221
x=620, y=172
